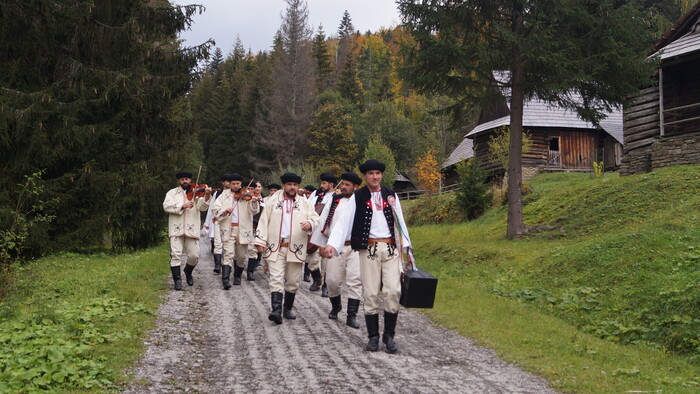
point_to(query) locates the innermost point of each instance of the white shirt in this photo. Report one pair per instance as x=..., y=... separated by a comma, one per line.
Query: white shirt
x=287, y=208
x=379, y=227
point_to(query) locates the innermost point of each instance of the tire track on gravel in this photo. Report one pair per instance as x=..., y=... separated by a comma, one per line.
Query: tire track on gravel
x=214, y=341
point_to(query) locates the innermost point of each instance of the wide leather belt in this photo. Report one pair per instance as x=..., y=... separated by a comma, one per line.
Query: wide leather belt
x=373, y=241
x=234, y=224
x=284, y=245
x=348, y=243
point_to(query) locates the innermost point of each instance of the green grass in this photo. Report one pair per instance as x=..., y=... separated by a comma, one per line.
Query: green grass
x=77, y=322
x=603, y=297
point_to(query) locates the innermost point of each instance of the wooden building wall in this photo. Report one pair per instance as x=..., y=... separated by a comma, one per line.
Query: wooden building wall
x=578, y=150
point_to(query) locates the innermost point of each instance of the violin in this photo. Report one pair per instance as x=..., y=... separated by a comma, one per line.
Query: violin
x=241, y=195
x=198, y=190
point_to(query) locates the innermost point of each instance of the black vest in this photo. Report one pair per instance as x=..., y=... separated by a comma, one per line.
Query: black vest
x=363, y=216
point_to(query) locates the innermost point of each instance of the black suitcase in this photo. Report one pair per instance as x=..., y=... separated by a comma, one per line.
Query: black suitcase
x=418, y=289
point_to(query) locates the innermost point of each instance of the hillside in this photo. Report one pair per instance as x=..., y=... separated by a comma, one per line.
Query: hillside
x=615, y=257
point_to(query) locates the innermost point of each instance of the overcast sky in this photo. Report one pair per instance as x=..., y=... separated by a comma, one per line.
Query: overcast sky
x=257, y=21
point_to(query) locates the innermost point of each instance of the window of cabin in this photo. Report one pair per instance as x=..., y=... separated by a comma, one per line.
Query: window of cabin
x=681, y=96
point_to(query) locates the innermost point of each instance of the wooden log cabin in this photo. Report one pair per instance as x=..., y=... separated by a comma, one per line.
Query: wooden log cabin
x=561, y=141
x=662, y=121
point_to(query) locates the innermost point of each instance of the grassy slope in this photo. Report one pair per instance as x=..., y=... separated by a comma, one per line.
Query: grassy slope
x=615, y=258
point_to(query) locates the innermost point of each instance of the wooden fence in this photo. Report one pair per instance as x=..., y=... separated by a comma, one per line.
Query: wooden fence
x=413, y=194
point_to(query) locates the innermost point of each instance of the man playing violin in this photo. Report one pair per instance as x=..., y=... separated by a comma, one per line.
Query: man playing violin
x=319, y=198
x=184, y=223
x=234, y=211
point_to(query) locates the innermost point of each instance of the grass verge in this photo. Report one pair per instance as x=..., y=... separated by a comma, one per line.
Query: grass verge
x=76, y=322
x=603, y=297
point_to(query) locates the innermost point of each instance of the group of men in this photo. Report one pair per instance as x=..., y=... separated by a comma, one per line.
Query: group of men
x=350, y=235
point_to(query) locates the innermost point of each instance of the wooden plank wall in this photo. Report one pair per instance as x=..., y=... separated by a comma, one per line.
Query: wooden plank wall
x=641, y=119
x=577, y=149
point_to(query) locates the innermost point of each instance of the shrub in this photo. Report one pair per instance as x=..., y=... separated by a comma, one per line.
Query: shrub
x=474, y=194
x=431, y=209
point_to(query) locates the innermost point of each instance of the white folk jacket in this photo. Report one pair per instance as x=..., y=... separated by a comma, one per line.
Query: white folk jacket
x=185, y=222
x=246, y=209
x=270, y=226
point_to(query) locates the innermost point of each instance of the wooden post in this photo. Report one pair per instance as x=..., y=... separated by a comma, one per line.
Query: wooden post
x=661, y=100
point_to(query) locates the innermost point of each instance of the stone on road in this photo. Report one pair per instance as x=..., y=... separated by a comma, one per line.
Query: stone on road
x=209, y=340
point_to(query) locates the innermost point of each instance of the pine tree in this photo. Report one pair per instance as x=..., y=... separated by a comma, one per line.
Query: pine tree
x=91, y=92
x=323, y=60
x=555, y=51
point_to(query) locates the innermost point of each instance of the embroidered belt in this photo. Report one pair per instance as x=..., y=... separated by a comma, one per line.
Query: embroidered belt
x=373, y=241
x=234, y=224
x=284, y=245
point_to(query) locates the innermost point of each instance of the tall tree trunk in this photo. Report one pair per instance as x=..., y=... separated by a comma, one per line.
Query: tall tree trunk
x=516, y=226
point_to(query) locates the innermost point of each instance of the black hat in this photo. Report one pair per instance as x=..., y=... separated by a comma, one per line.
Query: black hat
x=328, y=177
x=372, y=164
x=235, y=177
x=224, y=177
x=183, y=174
x=273, y=186
x=290, y=177
x=310, y=188
x=352, y=177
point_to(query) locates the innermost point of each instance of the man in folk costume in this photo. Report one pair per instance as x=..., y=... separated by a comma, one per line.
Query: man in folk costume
x=272, y=189
x=184, y=223
x=316, y=263
x=283, y=233
x=378, y=231
x=343, y=266
x=215, y=229
x=235, y=217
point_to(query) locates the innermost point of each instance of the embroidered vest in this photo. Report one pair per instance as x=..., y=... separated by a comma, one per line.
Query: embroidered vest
x=359, y=238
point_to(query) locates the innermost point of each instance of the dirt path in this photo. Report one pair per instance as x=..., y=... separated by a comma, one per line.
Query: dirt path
x=213, y=341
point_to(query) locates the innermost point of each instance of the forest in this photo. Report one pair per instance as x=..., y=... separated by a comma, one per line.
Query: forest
x=101, y=103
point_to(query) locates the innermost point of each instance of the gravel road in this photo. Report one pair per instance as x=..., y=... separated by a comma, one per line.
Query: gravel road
x=209, y=340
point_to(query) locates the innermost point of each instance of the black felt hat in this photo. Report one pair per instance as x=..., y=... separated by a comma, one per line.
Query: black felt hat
x=290, y=177
x=273, y=186
x=328, y=177
x=183, y=174
x=235, y=177
x=372, y=164
x=310, y=188
x=352, y=177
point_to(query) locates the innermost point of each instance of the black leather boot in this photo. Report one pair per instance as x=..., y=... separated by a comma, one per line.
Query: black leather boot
x=188, y=274
x=389, y=330
x=324, y=290
x=307, y=273
x=225, y=276
x=336, y=306
x=288, y=304
x=353, y=306
x=251, y=269
x=372, y=322
x=237, y=272
x=217, y=263
x=317, y=280
x=276, y=314
x=177, y=279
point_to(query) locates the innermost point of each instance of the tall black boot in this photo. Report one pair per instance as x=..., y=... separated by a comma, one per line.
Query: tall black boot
x=188, y=274
x=217, y=263
x=336, y=306
x=237, y=272
x=251, y=269
x=225, y=276
x=389, y=330
x=276, y=314
x=307, y=273
x=288, y=304
x=176, y=277
x=324, y=290
x=372, y=322
x=316, y=274
x=353, y=306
